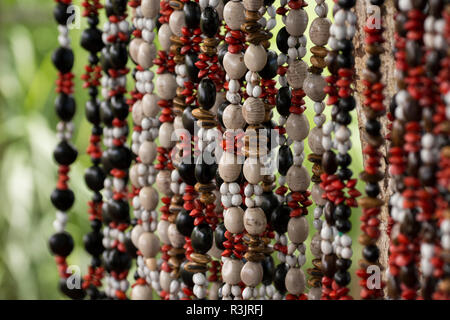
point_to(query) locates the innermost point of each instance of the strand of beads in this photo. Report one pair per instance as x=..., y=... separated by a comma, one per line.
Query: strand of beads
x=61, y=243
x=297, y=129
x=91, y=41
x=374, y=109
x=230, y=164
x=117, y=156
x=145, y=130
x=314, y=86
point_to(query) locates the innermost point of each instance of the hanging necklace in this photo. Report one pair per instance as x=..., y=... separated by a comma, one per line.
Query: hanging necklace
x=61, y=243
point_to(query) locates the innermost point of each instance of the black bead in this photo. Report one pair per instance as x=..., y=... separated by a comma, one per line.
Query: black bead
x=219, y=236
x=345, y=61
x=61, y=244
x=342, y=211
x=344, y=118
x=371, y=253
x=373, y=63
x=206, y=93
x=202, y=238
x=343, y=160
x=284, y=101
x=92, y=111
x=269, y=204
x=343, y=264
x=372, y=189
x=120, y=107
x=280, y=277
x=62, y=199
x=91, y=40
x=220, y=111
x=119, y=210
x=329, y=162
x=204, y=172
x=186, y=276
x=94, y=178
x=347, y=104
x=222, y=51
x=120, y=157
x=373, y=127
x=106, y=114
x=377, y=2
x=270, y=69
x=65, y=107
x=409, y=275
x=61, y=14
x=268, y=270
x=209, y=22
x=118, y=55
x=65, y=153
x=74, y=292
x=116, y=260
x=62, y=59
x=130, y=248
x=280, y=219
x=186, y=169
x=93, y=243
x=346, y=4
x=343, y=226
x=344, y=174
x=106, y=164
x=189, y=60
x=192, y=13
x=345, y=46
x=96, y=225
x=329, y=264
x=285, y=159
x=188, y=120
x=184, y=223
x=342, y=278
x=427, y=175
x=282, y=40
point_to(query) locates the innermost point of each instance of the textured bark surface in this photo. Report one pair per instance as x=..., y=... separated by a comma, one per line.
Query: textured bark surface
x=387, y=69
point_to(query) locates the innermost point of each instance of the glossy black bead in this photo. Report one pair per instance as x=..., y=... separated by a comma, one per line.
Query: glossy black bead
x=115, y=7
x=184, y=223
x=106, y=164
x=202, y=238
x=65, y=153
x=62, y=199
x=92, y=111
x=344, y=118
x=270, y=69
x=204, y=172
x=373, y=63
x=373, y=127
x=206, y=93
x=280, y=219
x=268, y=270
x=347, y=104
x=342, y=278
x=189, y=60
x=120, y=107
x=285, y=159
x=220, y=111
x=106, y=114
x=74, y=292
x=371, y=253
x=186, y=169
x=120, y=157
x=186, y=276
x=65, y=107
x=116, y=260
x=342, y=211
x=94, y=177
x=130, y=248
x=343, y=226
x=61, y=244
x=269, y=204
x=119, y=210
x=96, y=225
x=345, y=61
x=344, y=174
x=343, y=160
x=343, y=264
x=192, y=13
x=62, y=59
x=280, y=277
x=93, y=243
x=105, y=60
x=219, y=236
x=118, y=55
x=329, y=264
x=209, y=22
x=346, y=4
x=284, y=101
x=372, y=189
x=377, y=2
x=282, y=40
x=329, y=162
x=345, y=46
x=188, y=120
x=91, y=40
x=61, y=13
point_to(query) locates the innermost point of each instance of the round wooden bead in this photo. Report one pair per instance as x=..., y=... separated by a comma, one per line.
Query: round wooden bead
x=233, y=219
x=150, y=106
x=164, y=34
x=166, y=85
x=255, y=57
x=150, y=8
x=297, y=126
x=252, y=273
x=231, y=271
x=313, y=86
x=296, y=73
x=165, y=135
x=148, y=197
x=298, y=229
x=136, y=233
x=147, y=152
x=146, y=54
x=297, y=178
x=315, y=140
x=232, y=117
x=253, y=5
x=141, y=292
x=316, y=195
x=295, y=281
x=176, y=238
x=234, y=65
x=252, y=170
x=137, y=113
x=177, y=22
x=296, y=22
x=135, y=44
x=255, y=221
x=162, y=229
x=229, y=168
x=234, y=14
x=253, y=111
x=319, y=31
x=148, y=244
x=163, y=180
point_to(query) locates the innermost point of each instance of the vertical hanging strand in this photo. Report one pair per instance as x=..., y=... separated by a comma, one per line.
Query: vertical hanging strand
x=61, y=242
x=94, y=176
x=145, y=112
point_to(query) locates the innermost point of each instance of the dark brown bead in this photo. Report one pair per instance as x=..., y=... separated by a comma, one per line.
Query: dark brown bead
x=329, y=264
x=328, y=210
x=329, y=163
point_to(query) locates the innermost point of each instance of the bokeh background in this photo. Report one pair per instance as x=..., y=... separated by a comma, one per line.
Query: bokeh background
x=28, y=36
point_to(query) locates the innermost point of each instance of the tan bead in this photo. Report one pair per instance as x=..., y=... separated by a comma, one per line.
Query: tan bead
x=229, y=168
x=234, y=14
x=255, y=221
x=233, y=219
x=150, y=105
x=152, y=264
x=319, y=31
x=165, y=135
x=296, y=22
x=232, y=117
x=252, y=171
x=134, y=48
x=147, y=152
x=315, y=245
x=313, y=86
x=295, y=281
x=137, y=113
x=162, y=229
x=148, y=244
x=252, y=273
x=213, y=293
x=176, y=238
x=166, y=85
x=177, y=22
x=298, y=229
x=146, y=55
x=255, y=57
x=135, y=234
x=253, y=5
x=134, y=176
x=141, y=292
x=231, y=271
x=150, y=8
x=253, y=111
x=316, y=195
x=315, y=140
x=296, y=73
x=297, y=126
x=297, y=178
x=164, y=34
x=234, y=65
x=164, y=280
x=148, y=197
x=178, y=124
x=163, y=181
x=315, y=293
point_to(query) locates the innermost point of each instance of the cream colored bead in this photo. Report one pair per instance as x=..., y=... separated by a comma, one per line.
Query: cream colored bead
x=147, y=152
x=234, y=14
x=295, y=281
x=229, y=168
x=296, y=22
x=233, y=219
x=150, y=8
x=255, y=57
x=297, y=178
x=166, y=85
x=150, y=106
x=296, y=73
x=255, y=221
x=252, y=273
x=177, y=22
x=148, y=198
x=234, y=65
x=297, y=126
x=148, y=244
x=165, y=135
x=231, y=271
x=164, y=34
x=298, y=229
x=232, y=117
x=253, y=111
x=252, y=171
x=176, y=238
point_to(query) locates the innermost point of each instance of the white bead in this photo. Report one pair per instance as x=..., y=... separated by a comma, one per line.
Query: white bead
x=326, y=247
x=236, y=200
x=291, y=261
x=248, y=190
x=346, y=253
x=234, y=188
x=236, y=291
x=247, y=293
x=226, y=290
x=346, y=241
x=199, y=279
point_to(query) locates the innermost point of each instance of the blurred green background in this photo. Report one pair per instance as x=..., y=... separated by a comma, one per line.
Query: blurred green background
x=28, y=35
